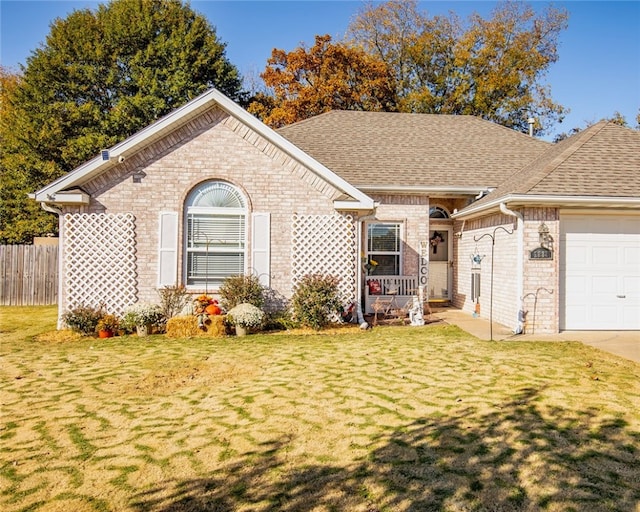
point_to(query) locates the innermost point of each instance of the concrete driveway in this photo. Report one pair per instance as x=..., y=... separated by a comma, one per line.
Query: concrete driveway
x=622, y=343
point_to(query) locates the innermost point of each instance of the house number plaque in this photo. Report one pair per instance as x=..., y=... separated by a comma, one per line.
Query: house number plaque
x=541, y=253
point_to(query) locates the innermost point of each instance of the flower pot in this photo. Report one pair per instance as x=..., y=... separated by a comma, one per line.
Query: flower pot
x=105, y=334
x=241, y=330
x=144, y=330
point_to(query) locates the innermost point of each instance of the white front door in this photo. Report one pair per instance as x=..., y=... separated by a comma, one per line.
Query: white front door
x=599, y=272
x=440, y=251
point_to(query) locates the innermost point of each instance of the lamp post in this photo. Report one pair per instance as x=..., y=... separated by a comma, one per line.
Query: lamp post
x=493, y=243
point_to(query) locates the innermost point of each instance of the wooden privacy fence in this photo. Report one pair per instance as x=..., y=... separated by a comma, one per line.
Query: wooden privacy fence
x=28, y=275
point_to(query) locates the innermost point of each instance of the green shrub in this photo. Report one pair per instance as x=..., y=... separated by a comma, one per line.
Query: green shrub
x=279, y=321
x=83, y=319
x=237, y=290
x=315, y=300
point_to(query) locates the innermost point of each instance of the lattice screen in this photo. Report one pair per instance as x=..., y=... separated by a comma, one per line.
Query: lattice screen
x=100, y=261
x=326, y=244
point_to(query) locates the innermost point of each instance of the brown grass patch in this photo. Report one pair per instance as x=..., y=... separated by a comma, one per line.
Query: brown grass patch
x=62, y=336
x=174, y=376
x=393, y=419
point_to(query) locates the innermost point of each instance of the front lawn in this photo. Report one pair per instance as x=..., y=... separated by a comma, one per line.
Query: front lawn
x=391, y=419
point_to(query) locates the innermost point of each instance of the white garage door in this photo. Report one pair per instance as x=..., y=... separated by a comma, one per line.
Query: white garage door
x=599, y=272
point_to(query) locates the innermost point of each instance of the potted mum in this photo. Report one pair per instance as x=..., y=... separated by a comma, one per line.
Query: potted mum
x=144, y=316
x=245, y=316
x=107, y=326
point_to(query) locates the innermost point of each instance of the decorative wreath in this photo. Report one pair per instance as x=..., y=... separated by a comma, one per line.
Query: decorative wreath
x=435, y=240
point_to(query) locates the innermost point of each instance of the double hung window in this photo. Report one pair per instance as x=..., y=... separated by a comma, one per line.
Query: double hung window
x=384, y=245
x=216, y=214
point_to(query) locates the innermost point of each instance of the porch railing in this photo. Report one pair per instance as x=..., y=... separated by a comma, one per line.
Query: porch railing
x=385, y=289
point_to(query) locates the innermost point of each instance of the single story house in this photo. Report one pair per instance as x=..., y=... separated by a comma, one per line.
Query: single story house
x=537, y=236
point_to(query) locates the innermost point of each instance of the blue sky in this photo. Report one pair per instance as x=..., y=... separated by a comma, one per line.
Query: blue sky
x=597, y=74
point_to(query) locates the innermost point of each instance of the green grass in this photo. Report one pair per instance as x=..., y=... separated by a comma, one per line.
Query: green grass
x=392, y=419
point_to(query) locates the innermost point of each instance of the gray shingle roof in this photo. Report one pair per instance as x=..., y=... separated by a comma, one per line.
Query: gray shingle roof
x=391, y=149
x=600, y=161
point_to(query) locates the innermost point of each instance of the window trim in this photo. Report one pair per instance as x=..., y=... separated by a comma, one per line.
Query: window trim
x=444, y=213
x=399, y=253
x=190, y=210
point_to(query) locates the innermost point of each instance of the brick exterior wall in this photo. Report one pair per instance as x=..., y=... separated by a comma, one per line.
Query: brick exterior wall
x=413, y=213
x=541, y=275
x=215, y=146
x=537, y=275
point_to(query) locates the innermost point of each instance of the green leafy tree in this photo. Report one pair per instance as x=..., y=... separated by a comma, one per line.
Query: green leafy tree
x=101, y=76
x=492, y=68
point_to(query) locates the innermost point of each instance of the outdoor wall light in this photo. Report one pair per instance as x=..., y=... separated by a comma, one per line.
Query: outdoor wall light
x=546, y=240
x=138, y=175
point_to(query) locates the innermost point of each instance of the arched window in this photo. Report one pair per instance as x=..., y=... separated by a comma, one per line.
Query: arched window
x=216, y=219
x=437, y=212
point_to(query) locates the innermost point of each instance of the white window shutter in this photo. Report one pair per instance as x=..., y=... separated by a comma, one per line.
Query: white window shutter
x=168, y=249
x=261, y=247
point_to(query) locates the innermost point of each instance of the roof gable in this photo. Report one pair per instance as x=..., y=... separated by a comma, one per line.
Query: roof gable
x=354, y=198
x=601, y=162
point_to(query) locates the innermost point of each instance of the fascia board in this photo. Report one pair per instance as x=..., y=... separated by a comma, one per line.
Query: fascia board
x=352, y=205
x=418, y=189
x=559, y=201
x=181, y=116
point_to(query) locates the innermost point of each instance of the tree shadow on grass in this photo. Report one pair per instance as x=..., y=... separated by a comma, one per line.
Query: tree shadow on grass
x=519, y=456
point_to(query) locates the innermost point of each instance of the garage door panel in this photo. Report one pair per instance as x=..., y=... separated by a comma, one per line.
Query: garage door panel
x=577, y=255
x=600, y=272
x=631, y=256
x=631, y=286
x=577, y=284
x=604, y=286
x=630, y=318
x=604, y=256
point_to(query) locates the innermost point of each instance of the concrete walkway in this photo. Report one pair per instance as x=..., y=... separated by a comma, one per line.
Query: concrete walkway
x=622, y=343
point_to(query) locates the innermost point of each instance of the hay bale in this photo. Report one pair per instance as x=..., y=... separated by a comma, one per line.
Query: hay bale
x=187, y=327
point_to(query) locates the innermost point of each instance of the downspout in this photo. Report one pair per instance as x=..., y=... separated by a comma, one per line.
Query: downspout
x=520, y=265
x=58, y=211
x=359, y=289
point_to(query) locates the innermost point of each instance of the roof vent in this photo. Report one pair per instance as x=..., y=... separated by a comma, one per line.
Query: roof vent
x=531, y=122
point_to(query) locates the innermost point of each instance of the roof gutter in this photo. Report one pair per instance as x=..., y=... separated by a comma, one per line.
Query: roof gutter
x=520, y=261
x=563, y=201
x=418, y=189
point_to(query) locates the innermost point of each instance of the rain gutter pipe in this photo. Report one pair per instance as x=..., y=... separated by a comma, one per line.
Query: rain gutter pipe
x=520, y=264
x=58, y=211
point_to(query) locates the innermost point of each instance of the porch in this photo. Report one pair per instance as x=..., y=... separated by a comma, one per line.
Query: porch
x=385, y=294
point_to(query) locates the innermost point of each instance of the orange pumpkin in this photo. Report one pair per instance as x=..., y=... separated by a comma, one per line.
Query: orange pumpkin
x=212, y=309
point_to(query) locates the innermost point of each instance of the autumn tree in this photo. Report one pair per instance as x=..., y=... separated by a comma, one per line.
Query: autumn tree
x=100, y=76
x=328, y=76
x=492, y=68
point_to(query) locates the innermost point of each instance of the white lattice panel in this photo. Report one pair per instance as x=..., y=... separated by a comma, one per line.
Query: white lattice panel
x=100, y=261
x=326, y=244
